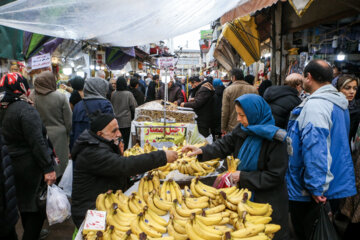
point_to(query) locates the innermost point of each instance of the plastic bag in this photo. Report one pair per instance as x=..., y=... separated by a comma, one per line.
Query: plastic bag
x=324, y=229
x=58, y=207
x=224, y=181
x=67, y=179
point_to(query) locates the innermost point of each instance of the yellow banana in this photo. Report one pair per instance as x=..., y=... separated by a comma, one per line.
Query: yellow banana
x=172, y=190
x=196, y=203
x=193, y=190
x=248, y=231
x=154, y=208
x=185, y=212
x=161, y=203
x=272, y=228
x=156, y=217
x=163, y=191
x=206, y=231
x=177, y=192
x=146, y=189
x=178, y=227
x=156, y=183
x=176, y=235
x=191, y=233
x=141, y=188
x=100, y=202
x=168, y=193
x=216, y=209
x=134, y=226
x=148, y=219
x=150, y=184
x=187, y=192
x=111, y=221
x=209, y=220
x=224, y=221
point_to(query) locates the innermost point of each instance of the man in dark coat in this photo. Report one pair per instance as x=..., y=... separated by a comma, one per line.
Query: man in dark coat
x=203, y=102
x=142, y=84
x=283, y=99
x=153, y=89
x=174, y=93
x=99, y=166
x=134, y=89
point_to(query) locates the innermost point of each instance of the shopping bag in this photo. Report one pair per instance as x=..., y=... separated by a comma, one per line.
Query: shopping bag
x=58, y=207
x=67, y=179
x=324, y=229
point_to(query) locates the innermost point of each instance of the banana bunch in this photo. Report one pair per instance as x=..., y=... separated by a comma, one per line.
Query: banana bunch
x=199, y=189
x=135, y=150
x=147, y=185
x=104, y=201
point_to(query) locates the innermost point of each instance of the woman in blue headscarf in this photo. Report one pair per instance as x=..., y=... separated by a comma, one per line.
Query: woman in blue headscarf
x=262, y=150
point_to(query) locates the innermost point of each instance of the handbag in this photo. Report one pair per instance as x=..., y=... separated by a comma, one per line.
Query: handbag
x=323, y=227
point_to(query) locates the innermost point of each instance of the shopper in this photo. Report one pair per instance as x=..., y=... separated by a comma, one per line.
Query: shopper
x=203, y=103
x=336, y=74
x=249, y=79
x=348, y=85
x=55, y=113
x=124, y=105
x=283, y=99
x=320, y=166
x=238, y=88
x=174, y=93
x=100, y=166
x=77, y=84
x=31, y=155
x=134, y=89
x=142, y=83
x=95, y=90
x=263, y=86
x=153, y=89
x=219, y=90
x=260, y=146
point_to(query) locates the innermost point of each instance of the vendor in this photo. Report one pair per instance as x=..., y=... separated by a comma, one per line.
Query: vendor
x=260, y=146
x=99, y=166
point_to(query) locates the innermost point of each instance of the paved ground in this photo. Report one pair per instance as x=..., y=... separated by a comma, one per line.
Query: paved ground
x=61, y=231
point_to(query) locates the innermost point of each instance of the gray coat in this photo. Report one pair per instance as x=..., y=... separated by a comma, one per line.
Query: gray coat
x=124, y=105
x=56, y=115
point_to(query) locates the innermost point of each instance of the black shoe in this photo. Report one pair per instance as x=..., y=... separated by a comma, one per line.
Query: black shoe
x=44, y=233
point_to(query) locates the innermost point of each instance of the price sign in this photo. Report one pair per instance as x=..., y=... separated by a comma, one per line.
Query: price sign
x=41, y=61
x=95, y=220
x=166, y=62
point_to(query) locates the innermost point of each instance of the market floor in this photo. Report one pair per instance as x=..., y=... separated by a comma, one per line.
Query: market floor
x=61, y=231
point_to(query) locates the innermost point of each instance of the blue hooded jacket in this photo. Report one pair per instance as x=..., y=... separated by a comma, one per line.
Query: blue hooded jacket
x=320, y=161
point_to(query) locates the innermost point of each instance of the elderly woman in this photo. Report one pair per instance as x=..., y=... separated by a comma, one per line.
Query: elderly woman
x=348, y=85
x=77, y=84
x=55, y=112
x=124, y=107
x=260, y=146
x=29, y=150
x=95, y=90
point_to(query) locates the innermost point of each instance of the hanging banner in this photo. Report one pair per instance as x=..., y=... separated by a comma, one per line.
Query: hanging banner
x=300, y=6
x=41, y=61
x=206, y=34
x=154, y=135
x=166, y=62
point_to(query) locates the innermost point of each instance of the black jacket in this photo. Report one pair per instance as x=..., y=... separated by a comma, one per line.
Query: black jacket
x=8, y=204
x=98, y=167
x=263, y=86
x=138, y=95
x=174, y=94
x=282, y=100
x=268, y=183
x=30, y=152
x=219, y=90
x=354, y=110
x=152, y=91
x=204, y=104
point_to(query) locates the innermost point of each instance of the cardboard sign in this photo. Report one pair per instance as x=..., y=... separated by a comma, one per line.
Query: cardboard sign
x=41, y=61
x=95, y=220
x=166, y=62
x=174, y=135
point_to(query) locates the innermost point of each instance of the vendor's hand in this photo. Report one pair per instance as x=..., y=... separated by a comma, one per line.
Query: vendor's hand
x=235, y=176
x=191, y=99
x=182, y=104
x=63, y=86
x=192, y=149
x=319, y=199
x=176, y=103
x=171, y=156
x=50, y=178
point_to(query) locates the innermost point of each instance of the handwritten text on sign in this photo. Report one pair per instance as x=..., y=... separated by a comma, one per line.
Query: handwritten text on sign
x=41, y=61
x=95, y=220
x=174, y=135
x=166, y=62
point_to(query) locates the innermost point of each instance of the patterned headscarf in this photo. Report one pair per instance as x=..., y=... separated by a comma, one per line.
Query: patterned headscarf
x=13, y=87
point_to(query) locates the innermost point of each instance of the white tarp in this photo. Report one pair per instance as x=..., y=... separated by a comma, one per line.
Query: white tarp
x=114, y=22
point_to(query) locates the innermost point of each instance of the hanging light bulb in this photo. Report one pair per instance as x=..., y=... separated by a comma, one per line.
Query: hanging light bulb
x=340, y=56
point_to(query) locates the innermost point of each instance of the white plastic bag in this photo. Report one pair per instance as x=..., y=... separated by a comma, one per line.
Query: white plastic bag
x=67, y=179
x=58, y=207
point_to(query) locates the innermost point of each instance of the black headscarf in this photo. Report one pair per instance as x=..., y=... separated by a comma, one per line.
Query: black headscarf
x=77, y=83
x=13, y=87
x=121, y=84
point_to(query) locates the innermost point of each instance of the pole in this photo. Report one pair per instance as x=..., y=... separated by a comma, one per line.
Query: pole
x=187, y=87
x=165, y=98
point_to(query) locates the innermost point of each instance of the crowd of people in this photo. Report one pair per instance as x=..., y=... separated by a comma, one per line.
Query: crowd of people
x=298, y=143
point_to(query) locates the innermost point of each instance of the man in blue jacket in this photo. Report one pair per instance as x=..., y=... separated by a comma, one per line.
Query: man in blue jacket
x=320, y=164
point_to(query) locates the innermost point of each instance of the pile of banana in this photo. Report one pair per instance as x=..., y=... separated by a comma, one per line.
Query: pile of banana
x=185, y=165
x=200, y=212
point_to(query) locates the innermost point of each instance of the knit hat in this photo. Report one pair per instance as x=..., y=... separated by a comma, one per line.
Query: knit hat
x=100, y=120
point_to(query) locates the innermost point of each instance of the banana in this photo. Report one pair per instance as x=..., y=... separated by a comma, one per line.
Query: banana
x=156, y=183
x=177, y=216
x=111, y=221
x=209, y=220
x=125, y=206
x=203, y=191
x=162, y=204
x=176, y=235
x=134, y=226
x=257, y=219
x=193, y=190
x=121, y=196
x=178, y=227
x=177, y=191
x=141, y=188
x=154, y=208
x=185, y=212
x=108, y=200
x=236, y=198
x=206, y=231
x=133, y=206
x=223, y=228
x=156, y=217
x=168, y=193
x=146, y=189
x=150, y=184
x=100, y=202
x=216, y=209
x=213, y=190
x=268, y=214
x=196, y=203
x=124, y=236
x=172, y=190
x=163, y=191
x=187, y=192
x=224, y=221
x=154, y=224
x=146, y=228
x=229, y=190
x=191, y=233
x=194, y=165
x=257, y=211
x=124, y=221
x=248, y=231
x=272, y=228
x=257, y=237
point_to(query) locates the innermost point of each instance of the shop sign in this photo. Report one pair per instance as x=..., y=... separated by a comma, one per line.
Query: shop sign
x=206, y=34
x=41, y=61
x=166, y=62
x=154, y=135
